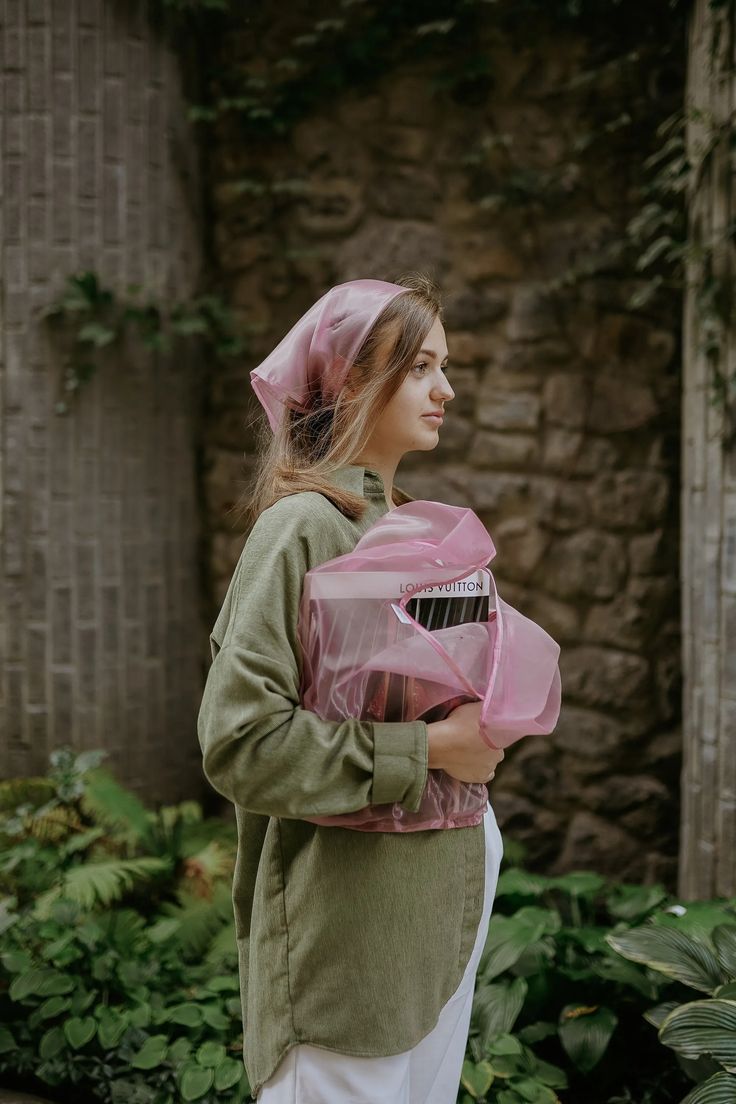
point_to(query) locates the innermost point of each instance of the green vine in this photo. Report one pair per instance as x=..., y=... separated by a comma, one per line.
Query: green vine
x=93, y=319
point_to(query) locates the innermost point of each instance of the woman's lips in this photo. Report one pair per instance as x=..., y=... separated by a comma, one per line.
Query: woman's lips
x=436, y=418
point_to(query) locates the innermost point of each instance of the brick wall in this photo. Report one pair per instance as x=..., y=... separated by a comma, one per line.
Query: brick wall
x=99, y=522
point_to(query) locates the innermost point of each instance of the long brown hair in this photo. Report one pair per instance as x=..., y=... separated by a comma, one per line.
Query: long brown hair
x=311, y=443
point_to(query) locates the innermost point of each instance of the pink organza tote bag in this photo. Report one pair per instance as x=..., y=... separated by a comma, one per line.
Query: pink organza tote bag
x=366, y=652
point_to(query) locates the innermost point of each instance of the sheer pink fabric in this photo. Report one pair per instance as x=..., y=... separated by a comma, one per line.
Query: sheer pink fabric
x=364, y=655
x=310, y=365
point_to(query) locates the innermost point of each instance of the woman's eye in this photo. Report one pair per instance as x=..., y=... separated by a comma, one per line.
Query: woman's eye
x=421, y=365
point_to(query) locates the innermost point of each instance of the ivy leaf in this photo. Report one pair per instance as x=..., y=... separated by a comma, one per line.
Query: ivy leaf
x=152, y=1053
x=477, y=1079
x=195, y=1082
x=79, y=1031
x=227, y=1074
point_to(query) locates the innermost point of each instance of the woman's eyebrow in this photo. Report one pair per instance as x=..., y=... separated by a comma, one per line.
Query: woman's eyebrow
x=431, y=353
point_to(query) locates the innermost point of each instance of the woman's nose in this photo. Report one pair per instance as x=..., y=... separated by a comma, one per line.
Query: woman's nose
x=442, y=391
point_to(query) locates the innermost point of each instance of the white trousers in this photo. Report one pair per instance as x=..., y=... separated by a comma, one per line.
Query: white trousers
x=429, y=1073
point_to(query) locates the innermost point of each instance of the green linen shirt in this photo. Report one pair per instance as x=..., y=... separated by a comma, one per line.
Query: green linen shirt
x=347, y=940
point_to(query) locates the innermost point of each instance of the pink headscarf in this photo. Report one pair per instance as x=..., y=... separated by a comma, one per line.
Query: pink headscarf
x=318, y=351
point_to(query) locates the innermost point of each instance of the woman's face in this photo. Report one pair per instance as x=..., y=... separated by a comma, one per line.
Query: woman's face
x=408, y=423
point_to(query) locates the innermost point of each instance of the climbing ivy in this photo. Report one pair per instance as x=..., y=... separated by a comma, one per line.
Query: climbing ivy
x=93, y=318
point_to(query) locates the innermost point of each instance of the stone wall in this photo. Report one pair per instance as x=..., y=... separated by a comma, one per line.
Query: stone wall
x=564, y=432
x=100, y=583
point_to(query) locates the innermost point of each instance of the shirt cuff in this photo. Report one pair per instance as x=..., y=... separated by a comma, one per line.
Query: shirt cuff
x=400, y=763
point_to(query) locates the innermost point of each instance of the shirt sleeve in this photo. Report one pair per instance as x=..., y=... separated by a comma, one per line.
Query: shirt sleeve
x=260, y=748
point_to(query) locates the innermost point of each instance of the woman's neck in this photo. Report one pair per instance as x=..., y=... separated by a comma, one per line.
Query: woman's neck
x=386, y=468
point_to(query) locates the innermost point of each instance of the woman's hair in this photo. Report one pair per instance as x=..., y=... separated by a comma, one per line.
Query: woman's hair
x=310, y=443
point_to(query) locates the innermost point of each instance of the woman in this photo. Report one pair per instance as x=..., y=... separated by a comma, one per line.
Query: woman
x=357, y=950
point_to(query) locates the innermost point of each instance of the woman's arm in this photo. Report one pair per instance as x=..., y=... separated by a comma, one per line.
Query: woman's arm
x=260, y=748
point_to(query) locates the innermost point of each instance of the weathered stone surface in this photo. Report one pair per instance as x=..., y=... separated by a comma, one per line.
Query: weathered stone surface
x=565, y=399
x=632, y=618
x=393, y=247
x=629, y=499
x=509, y=410
x=596, y=744
x=561, y=448
x=549, y=385
x=586, y=564
x=503, y=450
x=405, y=193
x=523, y=544
x=592, y=843
x=606, y=678
x=533, y=315
x=473, y=306
x=619, y=404
x=331, y=206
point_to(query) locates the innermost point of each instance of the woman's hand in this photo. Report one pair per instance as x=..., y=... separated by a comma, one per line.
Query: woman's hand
x=457, y=747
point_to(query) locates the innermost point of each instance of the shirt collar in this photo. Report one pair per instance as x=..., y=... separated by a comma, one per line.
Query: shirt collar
x=358, y=479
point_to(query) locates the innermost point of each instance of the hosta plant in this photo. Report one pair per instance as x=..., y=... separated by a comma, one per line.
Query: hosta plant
x=695, y=945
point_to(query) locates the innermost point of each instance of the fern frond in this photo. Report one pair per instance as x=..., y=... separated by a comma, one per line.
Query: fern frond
x=107, y=802
x=22, y=791
x=223, y=945
x=53, y=824
x=199, y=922
x=100, y=883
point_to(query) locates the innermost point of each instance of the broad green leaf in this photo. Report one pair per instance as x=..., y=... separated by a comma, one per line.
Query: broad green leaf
x=54, y=1006
x=728, y=990
x=580, y=883
x=629, y=902
x=44, y=982
x=16, y=962
x=187, y=1014
x=550, y=1075
x=113, y=1025
x=195, y=1082
x=181, y=1050
x=477, y=1079
x=657, y=1015
x=533, y=1091
x=215, y=1018
x=509, y=936
x=585, y=1032
x=703, y=1027
x=505, y=1045
x=7, y=1042
x=719, y=1089
x=496, y=1007
x=211, y=1054
x=535, y=1032
x=672, y=953
x=724, y=941
x=227, y=1074
x=79, y=1030
x=152, y=1053
x=517, y=881
x=52, y=1042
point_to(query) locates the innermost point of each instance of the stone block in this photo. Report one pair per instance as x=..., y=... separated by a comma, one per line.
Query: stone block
x=470, y=307
x=586, y=564
x=503, y=450
x=592, y=843
x=509, y=410
x=606, y=678
x=619, y=404
x=331, y=207
x=394, y=247
x=631, y=499
x=565, y=400
x=521, y=546
x=533, y=315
